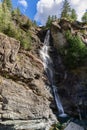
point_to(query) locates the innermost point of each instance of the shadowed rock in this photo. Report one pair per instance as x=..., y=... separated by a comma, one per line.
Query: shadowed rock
x=73, y=126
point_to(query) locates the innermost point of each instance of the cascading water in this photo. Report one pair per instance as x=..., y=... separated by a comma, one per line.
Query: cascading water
x=48, y=67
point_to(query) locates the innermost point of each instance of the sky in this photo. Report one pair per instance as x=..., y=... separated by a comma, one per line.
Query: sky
x=39, y=10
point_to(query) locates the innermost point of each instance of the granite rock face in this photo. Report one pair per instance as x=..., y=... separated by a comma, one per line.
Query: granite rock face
x=59, y=39
x=26, y=99
x=72, y=84
x=23, y=92
x=8, y=50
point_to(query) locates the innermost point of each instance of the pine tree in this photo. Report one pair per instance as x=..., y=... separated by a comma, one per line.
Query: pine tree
x=16, y=12
x=5, y=18
x=66, y=10
x=73, y=15
x=7, y=3
x=35, y=23
x=49, y=21
x=84, y=17
x=54, y=17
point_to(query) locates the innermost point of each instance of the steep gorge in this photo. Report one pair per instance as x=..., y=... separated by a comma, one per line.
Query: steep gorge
x=71, y=82
x=26, y=100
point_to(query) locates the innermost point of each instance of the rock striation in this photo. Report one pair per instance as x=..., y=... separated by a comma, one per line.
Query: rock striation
x=71, y=84
x=24, y=97
x=26, y=100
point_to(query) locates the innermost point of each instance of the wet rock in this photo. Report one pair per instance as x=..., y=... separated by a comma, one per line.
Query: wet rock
x=71, y=83
x=73, y=126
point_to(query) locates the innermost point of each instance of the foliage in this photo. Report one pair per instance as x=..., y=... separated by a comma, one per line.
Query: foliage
x=75, y=54
x=67, y=12
x=10, y=24
x=5, y=18
x=19, y=34
x=57, y=126
x=26, y=25
x=34, y=23
x=84, y=17
x=73, y=15
x=25, y=40
x=16, y=12
x=50, y=20
x=7, y=3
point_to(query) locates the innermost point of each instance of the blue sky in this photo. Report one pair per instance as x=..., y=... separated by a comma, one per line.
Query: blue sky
x=39, y=10
x=30, y=10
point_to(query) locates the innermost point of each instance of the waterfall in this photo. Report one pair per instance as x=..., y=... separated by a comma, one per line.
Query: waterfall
x=48, y=67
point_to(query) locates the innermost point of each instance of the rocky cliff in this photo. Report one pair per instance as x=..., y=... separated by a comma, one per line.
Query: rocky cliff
x=72, y=83
x=26, y=100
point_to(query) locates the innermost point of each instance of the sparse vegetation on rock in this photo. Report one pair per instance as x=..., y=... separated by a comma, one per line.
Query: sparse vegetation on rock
x=26, y=98
x=14, y=24
x=84, y=17
x=76, y=53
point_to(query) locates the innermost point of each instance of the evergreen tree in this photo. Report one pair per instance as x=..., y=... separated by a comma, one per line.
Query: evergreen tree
x=66, y=10
x=84, y=17
x=7, y=3
x=49, y=21
x=16, y=12
x=54, y=17
x=73, y=15
x=34, y=22
x=5, y=18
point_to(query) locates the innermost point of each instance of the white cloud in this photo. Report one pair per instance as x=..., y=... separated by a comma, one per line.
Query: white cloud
x=53, y=7
x=80, y=7
x=75, y=2
x=46, y=8
x=23, y=3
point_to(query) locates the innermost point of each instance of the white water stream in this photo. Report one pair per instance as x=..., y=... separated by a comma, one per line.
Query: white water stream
x=48, y=67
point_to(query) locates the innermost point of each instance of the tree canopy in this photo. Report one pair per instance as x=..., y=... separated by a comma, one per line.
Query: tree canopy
x=13, y=24
x=7, y=3
x=73, y=14
x=68, y=12
x=50, y=20
x=84, y=17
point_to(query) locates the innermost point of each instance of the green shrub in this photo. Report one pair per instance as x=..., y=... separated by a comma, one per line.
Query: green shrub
x=10, y=27
x=25, y=42
x=19, y=34
x=50, y=20
x=76, y=53
x=57, y=126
